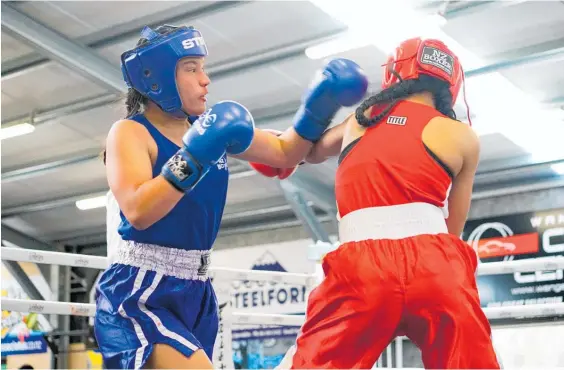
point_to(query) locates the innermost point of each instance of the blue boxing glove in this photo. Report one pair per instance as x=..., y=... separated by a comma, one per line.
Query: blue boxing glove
x=342, y=83
x=226, y=127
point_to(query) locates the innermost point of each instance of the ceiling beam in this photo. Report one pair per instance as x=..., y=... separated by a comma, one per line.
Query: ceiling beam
x=25, y=173
x=471, y=7
x=552, y=55
x=284, y=52
x=121, y=32
x=49, y=204
x=304, y=212
x=21, y=240
x=65, y=51
x=182, y=13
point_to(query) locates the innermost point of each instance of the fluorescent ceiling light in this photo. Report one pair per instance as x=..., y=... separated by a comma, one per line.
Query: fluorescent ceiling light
x=16, y=130
x=91, y=203
x=496, y=104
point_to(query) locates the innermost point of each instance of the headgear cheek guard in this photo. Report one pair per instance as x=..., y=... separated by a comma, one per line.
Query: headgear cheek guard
x=151, y=68
x=432, y=57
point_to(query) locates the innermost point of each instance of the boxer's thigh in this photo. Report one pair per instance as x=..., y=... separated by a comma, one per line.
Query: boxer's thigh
x=443, y=313
x=353, y=314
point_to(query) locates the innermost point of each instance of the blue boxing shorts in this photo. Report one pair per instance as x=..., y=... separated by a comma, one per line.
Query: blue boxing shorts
x=151, y=295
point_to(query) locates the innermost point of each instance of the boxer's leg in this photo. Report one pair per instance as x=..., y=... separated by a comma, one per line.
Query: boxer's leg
x=354, y=313
x=443, y=313
x=166, y=357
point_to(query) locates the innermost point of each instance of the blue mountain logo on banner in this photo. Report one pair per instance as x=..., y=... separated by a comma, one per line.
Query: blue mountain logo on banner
x=267, y=262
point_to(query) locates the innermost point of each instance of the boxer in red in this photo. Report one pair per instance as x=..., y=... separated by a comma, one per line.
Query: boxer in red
x=403, y=188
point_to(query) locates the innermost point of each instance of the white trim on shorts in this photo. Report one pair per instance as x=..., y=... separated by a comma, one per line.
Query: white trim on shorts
x=138, y=331
x=154, y=318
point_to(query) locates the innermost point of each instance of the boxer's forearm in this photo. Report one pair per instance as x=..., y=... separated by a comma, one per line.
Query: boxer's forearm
x=328, y=146
x=149, y=203
x=294, y=148
x=283, y=151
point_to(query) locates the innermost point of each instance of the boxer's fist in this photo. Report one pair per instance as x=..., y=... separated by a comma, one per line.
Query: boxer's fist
x=341, y=83
x=226, y=127
x=269, y=171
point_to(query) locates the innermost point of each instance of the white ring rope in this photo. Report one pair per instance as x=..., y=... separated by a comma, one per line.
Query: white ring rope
x=88, y=309
x=81, y=260
x=85, y=309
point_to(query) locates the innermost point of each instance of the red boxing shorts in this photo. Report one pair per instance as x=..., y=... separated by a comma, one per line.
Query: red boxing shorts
x=422, y=286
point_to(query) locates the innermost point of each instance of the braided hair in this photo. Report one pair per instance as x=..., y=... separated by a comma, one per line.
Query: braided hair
x=394, y=94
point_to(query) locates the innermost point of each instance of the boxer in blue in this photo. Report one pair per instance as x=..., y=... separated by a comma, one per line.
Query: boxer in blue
x=166, y=166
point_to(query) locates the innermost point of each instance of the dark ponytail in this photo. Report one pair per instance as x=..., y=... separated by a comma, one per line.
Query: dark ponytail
x=134, y=102
x=394, y=94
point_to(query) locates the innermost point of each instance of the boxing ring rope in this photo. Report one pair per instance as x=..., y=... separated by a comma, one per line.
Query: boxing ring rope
x=96, y=262
x=83, y=309
x=88, y=309
x=223, y=273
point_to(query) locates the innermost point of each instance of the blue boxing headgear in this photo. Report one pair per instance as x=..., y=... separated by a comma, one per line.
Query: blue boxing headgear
x=151, y=68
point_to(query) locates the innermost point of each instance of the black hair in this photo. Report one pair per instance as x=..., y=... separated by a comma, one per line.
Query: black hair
x=395, y=93
x=135, y=102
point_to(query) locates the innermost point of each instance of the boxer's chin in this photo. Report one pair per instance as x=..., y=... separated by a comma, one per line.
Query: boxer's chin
x=195, y=107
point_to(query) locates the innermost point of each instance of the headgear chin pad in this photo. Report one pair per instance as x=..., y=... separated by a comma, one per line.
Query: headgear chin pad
x=431, y=57
x=151, y=68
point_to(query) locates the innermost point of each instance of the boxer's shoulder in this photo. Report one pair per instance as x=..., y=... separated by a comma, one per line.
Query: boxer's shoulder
x=451, y=128
x=128, y=130
x=446, y=135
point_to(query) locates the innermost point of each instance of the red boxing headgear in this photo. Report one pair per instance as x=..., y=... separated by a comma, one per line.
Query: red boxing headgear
x=431, y=57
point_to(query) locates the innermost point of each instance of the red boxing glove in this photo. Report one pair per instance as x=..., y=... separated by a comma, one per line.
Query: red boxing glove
x=264, y=169
x=269, y=171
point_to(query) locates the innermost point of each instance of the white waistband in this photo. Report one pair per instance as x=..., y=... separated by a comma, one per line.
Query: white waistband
x=392, y=222
x=182, y=264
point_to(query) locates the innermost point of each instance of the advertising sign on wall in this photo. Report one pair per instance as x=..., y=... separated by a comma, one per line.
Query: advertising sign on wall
x=30, y=344
x=264, y=346
x=515, y=237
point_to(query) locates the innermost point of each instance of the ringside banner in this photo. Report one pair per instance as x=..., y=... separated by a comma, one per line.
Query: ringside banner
x=515, y=237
